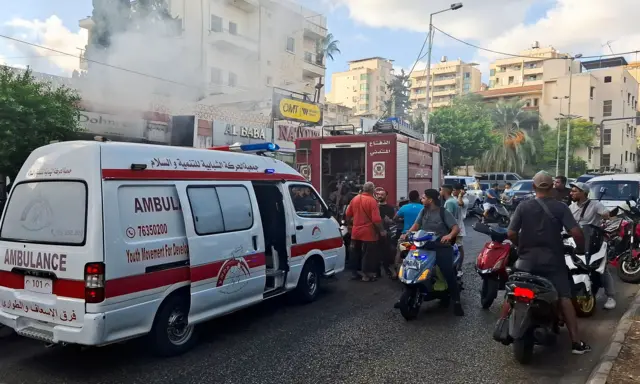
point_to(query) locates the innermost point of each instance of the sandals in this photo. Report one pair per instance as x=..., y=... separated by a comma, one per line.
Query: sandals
x=368, y=279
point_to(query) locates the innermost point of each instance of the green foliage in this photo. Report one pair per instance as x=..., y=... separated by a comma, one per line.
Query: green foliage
x=515, y=147
x=417, y=123
x=464, y=130
x=32, y=114
x=327, y=47
x=582, y=135
x=398, y=103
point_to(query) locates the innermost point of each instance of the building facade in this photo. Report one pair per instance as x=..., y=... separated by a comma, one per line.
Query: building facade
x=363, y=86
x=448, y=80
x=521, y=71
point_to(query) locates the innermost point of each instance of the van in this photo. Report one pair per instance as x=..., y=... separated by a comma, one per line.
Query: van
x=500, y=178
x=103, y=241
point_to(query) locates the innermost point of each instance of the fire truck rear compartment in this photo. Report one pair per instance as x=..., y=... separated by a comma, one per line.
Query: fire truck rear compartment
x=342, y=164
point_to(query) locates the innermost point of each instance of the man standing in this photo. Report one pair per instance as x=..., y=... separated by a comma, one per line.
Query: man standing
x=463, y=206
x=387, y=213
x=541, y=249
x=367, y=228
x=560, y=190
x=408, y=213
x=441, y=222
x=591, y=212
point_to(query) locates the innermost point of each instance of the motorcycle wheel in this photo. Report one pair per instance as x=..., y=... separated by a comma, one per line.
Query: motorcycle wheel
x=523, y=348
x=410, y=303
x=489, y=292
x=629, y=269
x=585, y=306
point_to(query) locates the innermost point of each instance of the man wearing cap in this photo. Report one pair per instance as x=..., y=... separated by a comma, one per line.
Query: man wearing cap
x=541, y=249
x=592, y=212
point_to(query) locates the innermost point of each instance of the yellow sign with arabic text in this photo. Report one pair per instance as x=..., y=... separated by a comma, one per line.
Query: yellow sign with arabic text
x=297, y=110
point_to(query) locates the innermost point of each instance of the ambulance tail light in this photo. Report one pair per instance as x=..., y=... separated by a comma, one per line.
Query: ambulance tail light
x=94, y=283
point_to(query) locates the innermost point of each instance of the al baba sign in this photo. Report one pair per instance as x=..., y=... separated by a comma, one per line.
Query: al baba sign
x=287, y=108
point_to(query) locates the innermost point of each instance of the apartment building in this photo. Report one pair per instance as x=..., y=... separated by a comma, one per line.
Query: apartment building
x=363, y=86
x=337, y=114
x=448, y=80
x=634, y=70
x=521, y=71
x=249, y=45
x=604, y=89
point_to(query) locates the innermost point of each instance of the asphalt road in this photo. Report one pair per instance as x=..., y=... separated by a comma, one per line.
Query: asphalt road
x=351, y=334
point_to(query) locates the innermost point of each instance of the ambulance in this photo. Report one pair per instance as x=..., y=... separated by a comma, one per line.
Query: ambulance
x=101, y=242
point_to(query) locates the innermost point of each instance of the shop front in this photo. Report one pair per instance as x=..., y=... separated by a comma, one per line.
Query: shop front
x=286, y=135
x=122, y=128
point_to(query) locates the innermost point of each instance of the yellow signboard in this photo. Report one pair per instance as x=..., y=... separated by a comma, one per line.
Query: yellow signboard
x=297, y=110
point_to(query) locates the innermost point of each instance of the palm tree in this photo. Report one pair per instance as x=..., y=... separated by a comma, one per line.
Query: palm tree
x=517, y=148
x=328, y=47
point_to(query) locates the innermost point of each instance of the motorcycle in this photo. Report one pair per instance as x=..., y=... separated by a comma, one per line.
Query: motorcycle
x=492, y=262
x=586, y=268
x=533, y=315
x=623, y=239
x=498, y=214
x=420, y=275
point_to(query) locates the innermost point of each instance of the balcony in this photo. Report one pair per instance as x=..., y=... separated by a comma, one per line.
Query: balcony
x=233, y=42
x=445, y=92
x=86, y=23
x=312, y=66
x=314, y=31
x=224, y=89
x=532, y=71
x=445, y=81
x=245, y=5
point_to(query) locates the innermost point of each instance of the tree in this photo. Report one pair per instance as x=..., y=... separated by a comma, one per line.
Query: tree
x=417, y=123
x=327, y=47
x=398, y=103
x=515, y=147
x=582, y=136
x=32, y=114
x=464, y=130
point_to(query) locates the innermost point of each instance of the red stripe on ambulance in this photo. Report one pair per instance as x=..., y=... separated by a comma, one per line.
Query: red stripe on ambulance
x=298, y=250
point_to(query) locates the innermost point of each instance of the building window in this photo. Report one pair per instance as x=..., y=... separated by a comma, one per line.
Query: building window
x=269, y=80
x=233, y=79
x=216, y=23
x=628, y=98
x=233, y=28
x=607, y=108
x=592, y=92
x=606, y=159
x=291, y=44
x=364, y=87
x=589, y=152
x=535, y=102
x=625, y=79
x=467, y=75
x=626, y=155
x=216, y=76
x=492, y=72
x=591, y=119
x=511, y=79
x=606, y=139
x=607, y=79
x=363, y=76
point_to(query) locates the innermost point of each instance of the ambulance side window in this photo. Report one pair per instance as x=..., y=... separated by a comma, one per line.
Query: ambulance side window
x=220, y=209
x=306, y=202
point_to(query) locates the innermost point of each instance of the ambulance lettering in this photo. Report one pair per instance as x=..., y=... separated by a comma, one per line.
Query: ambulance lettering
x=41, y=260
x=156, y=204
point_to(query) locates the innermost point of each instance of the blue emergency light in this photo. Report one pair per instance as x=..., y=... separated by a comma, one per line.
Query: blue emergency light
x=259, y=147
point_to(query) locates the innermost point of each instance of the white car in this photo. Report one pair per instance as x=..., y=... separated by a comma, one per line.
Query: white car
x=467, y=181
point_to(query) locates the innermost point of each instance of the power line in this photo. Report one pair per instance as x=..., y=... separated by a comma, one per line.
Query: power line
x=98, y=62
x=528, y=57
x=30, y=57
x=419, y=57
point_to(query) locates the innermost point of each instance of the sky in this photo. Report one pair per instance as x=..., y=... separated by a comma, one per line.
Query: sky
x=365, y=28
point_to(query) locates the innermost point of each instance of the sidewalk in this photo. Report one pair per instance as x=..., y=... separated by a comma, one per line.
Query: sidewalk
x=619, y=363
x=626, y=369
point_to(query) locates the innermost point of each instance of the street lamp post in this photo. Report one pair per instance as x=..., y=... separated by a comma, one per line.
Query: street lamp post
x=453, y=7
x=566, y=160
x=558, y=129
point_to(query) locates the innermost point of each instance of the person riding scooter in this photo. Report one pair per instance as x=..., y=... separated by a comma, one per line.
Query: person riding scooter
x=541, y=250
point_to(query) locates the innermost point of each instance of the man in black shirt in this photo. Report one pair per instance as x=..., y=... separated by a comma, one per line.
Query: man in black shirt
x=541, y=249
x=387, y=213
x=560, y=190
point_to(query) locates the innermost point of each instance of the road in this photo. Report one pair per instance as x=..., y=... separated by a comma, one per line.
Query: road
x=351, y=334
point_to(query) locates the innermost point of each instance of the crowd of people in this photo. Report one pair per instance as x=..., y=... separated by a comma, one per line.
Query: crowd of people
x=539, y=241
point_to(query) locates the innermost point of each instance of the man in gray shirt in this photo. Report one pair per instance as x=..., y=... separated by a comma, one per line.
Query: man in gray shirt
x=592, y=212
x=436, y=219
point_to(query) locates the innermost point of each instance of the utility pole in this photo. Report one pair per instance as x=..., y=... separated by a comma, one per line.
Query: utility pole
x=559, y=119
x=566, y=160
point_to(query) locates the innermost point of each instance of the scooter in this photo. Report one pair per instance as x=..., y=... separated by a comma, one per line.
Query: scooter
x=498, y=214
x=586, y=268
x=533, y=315
x=624, y=244
x=420, y=275
x=492, y=262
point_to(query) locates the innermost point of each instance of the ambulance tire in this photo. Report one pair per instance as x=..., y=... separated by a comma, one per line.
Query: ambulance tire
x=309, y=282
x=160, y=339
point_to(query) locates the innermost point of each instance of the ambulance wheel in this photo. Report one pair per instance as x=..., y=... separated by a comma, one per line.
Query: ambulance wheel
x=309, y=281
x=171, y=334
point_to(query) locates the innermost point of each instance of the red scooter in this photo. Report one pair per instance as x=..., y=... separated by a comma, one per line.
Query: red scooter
x=492, y=262
x=623, y=240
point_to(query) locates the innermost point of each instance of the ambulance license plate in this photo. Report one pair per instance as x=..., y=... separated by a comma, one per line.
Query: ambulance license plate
x=38, y=284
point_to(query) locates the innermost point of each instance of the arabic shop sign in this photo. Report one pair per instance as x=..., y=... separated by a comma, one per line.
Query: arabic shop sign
x=286, y=108
x=291, y=133
x=201, y=165
x=248, y=132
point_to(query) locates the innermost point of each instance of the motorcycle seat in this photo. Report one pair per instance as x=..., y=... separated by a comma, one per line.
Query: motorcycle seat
x=526, y=277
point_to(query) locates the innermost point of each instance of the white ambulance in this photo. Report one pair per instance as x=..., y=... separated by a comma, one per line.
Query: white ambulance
x=102, y=241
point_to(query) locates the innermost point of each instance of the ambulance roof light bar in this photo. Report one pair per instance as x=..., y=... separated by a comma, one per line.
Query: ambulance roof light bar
x=248, y=148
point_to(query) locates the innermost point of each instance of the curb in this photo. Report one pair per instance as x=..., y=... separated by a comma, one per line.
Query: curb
x=600, y=373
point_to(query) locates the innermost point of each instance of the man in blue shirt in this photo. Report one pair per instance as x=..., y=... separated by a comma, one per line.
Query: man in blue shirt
x=490, y=200
x=408, y=213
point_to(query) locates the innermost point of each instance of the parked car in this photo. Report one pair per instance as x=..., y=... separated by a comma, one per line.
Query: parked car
x=520, y=191
x=499, y=177
x=584, y=178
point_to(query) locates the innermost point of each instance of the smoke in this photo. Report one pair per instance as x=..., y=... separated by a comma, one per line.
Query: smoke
x=191, y=56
